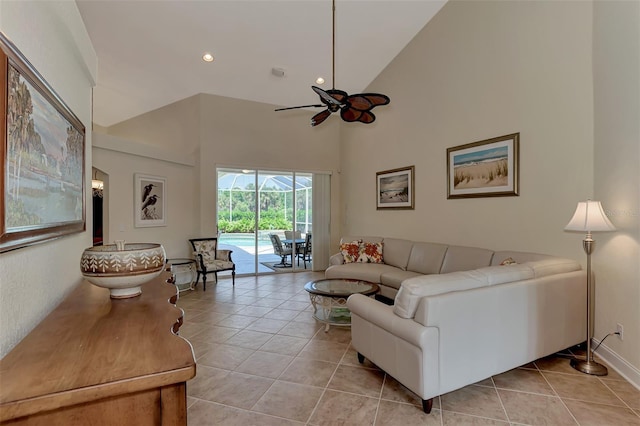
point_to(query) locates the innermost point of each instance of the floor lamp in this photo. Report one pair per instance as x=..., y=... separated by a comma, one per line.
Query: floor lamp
x=589, y=217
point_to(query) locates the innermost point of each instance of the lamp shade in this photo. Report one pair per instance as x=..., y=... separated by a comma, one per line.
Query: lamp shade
x=589, y=217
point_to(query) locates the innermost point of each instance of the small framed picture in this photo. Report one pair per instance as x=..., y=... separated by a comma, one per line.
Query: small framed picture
x=486, y=168
x=394, y=189
x=150, y=202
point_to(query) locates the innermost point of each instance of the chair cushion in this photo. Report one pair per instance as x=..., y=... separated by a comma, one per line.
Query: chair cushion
x=206, y=245
x=218, y=265
x=207, y=257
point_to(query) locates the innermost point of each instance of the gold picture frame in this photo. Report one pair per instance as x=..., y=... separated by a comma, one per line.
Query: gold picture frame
x=488, y=168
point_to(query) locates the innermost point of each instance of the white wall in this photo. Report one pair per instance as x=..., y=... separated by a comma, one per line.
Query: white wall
x=121, y=160
x=34, y=280
x=476, y=71
x=616, y=258
x=218, y=131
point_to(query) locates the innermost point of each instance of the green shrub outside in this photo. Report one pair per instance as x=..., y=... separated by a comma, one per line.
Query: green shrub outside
x=273, y=215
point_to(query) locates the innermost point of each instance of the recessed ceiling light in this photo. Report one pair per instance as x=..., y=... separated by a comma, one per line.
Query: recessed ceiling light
x=207, y=57
x=319, y=80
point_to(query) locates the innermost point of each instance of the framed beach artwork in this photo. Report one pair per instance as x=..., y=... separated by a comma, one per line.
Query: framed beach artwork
x=394, y=188
x=486, y=168
x=42, y=168
x=150, y=203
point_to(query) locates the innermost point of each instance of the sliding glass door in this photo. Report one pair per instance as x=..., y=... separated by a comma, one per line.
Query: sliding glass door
x=264, y=217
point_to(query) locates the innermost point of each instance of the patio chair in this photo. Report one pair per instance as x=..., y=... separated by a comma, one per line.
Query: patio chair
x=281, y=251
x=288, y=235
x=305, y=253
x=211, y=260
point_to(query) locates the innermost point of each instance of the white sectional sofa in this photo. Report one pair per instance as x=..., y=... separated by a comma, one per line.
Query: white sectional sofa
x=459, y=316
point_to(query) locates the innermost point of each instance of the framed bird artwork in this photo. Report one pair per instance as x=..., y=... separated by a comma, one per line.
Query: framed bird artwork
x=150, y=200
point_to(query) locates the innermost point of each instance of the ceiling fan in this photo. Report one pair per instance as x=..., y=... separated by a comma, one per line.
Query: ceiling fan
x=352, y=107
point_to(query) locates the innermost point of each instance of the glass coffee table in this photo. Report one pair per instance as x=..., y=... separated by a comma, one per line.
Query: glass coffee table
x=329, y=299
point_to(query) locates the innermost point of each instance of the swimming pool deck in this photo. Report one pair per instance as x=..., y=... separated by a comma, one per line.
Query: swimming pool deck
x=244, y=258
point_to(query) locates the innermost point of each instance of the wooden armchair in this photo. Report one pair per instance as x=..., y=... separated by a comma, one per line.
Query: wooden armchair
x=211, y=260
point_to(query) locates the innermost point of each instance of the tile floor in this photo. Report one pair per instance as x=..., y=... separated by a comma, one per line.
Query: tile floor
x=263, y=360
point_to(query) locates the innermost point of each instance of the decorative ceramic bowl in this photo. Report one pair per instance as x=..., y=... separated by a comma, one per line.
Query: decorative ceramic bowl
x=122, y=268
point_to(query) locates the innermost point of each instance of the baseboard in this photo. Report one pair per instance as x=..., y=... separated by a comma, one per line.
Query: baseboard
x=622, y=367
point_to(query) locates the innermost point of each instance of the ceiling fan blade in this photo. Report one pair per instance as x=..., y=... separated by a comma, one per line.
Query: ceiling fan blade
x=326, y=97
x=320, y=117
x=367, y=101
x=339, y=95
x=301, y=106
x=350, y=115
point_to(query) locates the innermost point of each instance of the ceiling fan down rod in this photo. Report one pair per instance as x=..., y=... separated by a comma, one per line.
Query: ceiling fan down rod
x=333, y=46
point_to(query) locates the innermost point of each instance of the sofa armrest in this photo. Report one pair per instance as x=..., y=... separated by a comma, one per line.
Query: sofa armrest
x=336, y=259
x=382, y=315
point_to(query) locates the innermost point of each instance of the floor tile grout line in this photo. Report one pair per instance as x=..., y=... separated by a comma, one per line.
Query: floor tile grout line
x=326, y=386
x=615, y=393
x=504, y=409
x=471, y=415
x=384, y=380
x=206, y=401
x=276, y=380
x=596, y=402
x=560, y=398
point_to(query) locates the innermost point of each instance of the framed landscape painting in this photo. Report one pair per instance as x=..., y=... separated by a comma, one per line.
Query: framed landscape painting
x=150, y=206
x=486, y=168
x=394, y=188
x=42, y=169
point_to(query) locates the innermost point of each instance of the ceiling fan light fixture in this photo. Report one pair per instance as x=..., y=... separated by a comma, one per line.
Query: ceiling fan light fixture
x=319, y=80
x=207, y=57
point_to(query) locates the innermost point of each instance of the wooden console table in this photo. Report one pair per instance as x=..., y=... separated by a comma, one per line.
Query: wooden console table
x=99, y=361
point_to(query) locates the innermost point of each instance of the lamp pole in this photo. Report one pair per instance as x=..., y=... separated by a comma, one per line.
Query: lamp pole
x=588, y=365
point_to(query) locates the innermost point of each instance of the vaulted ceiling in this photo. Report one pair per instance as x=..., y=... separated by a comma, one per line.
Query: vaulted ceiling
x=150, y=52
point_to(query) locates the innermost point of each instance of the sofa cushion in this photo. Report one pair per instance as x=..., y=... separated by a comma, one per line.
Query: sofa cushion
x=395, y=278
x=396, y=252
x=518, y=256
x=504, y=274
x=426, y=258
x=554, y=265
x=459, y=258
x=413, y=289
x=359, y=271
